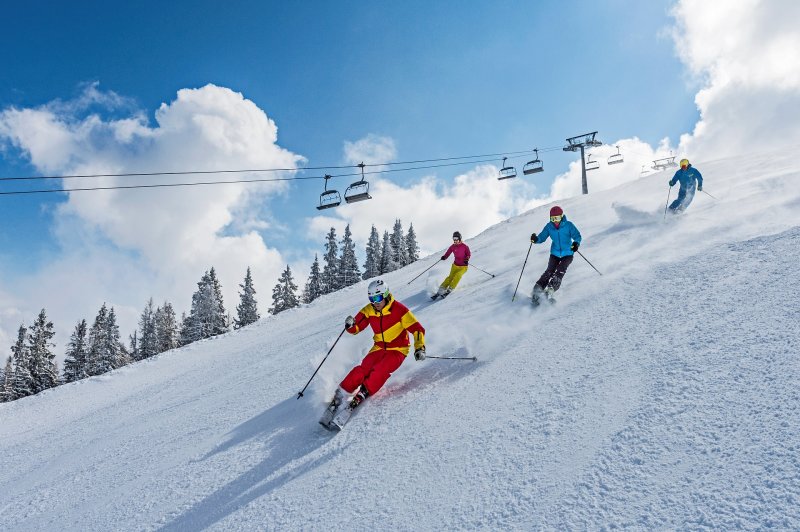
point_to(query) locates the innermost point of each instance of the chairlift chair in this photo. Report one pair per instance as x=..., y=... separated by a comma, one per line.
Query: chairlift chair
x=329, y=198
x=590, y=164
x=616, y=158
x=358, y=191
x=663, y=164
x=507, y=172
x=534, y=166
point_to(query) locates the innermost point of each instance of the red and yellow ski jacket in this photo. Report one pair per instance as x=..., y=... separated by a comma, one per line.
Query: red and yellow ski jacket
x=391, y=327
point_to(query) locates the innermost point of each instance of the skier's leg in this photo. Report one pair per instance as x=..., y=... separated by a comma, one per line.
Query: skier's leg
x=687, y=199
x=551, y=268
x=675, y=206
x=559, y=271
x=456, y=273
x=357, y=375
x=382, y=370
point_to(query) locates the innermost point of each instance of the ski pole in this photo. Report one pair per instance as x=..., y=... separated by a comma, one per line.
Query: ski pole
x=587, y=260
x=708, y=194
x=667, y=205
x=420, y=275
x=520, y=273
x=487, y=273
x=474, y=359
x=299, y=395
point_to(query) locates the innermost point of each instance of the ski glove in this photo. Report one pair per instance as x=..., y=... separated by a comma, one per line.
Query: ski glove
x=466, y=262
x=575, y=246
x=534, y=238
x=444, y=257
x=419, y=354
x=671, y=183
x=700, y=188
x=349, y=322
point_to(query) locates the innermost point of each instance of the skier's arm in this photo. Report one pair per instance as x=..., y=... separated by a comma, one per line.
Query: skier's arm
x=575, y=234
x=411, y=325
x=542, y=236
x=361, y=321
x=468, y=255
x=447, y=253
x=699, y=177
x=674, y=179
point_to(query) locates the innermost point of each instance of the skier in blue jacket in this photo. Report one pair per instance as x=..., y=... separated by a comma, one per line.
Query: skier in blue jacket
x=565, y=241
x=688, y=176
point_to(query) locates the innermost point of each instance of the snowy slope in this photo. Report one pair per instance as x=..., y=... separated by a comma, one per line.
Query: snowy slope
x=662, y=394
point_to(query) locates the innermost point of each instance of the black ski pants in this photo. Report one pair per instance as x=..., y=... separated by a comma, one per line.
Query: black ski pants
x=556, y=268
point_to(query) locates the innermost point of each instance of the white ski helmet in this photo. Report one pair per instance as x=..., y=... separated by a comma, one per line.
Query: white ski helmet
x=377, y=288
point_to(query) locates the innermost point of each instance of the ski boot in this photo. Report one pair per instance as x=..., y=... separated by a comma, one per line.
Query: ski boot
x=548, y=294
x=536, y=297
x=338, y=398
x=339, y=421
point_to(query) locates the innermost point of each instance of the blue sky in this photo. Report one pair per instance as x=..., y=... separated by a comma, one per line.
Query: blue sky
x=412, y=80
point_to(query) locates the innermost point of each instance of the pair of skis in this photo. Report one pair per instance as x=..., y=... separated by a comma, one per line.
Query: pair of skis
x=336, y=417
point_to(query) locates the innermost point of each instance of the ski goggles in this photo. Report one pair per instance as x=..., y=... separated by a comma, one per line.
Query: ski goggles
x=377, y=298
x=556, y=219
x=456, y=240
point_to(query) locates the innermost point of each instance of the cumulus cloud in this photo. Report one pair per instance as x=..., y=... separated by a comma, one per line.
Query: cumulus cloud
x=746, y=59
x=372, y=149
x=121, y=246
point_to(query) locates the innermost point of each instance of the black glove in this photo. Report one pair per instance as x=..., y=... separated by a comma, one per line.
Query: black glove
x=575, y=246
x=349, y=322
x=534, y=238
x=671, y=184
x=466, y=262
x=419, y=354
x=700, y=188
x=444, y=257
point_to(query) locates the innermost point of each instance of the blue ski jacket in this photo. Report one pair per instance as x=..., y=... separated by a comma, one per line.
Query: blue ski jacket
x=562, y=237
x=687, y=178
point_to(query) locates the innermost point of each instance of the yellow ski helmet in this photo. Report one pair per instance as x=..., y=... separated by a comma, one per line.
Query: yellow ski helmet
x=684, y=162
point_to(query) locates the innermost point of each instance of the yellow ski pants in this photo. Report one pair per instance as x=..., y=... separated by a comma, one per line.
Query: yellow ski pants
x=456, y=273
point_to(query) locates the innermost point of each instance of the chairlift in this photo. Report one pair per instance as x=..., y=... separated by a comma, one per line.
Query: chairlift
x=329, y=198
x=534, y=166
x=358, y=191
x=507, y=172
x=590, y=164
x=666, y=162
x=616, y=158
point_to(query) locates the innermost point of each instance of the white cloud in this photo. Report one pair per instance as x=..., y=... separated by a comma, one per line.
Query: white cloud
x=747, y=58
x=123, y=246
x=372, y=149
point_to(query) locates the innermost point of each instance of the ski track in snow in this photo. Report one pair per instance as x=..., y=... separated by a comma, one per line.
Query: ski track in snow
x=660, y=395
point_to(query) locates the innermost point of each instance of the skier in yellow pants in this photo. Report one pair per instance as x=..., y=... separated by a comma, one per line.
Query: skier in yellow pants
x=461, y=254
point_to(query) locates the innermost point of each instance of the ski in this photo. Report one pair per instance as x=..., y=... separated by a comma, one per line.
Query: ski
x=341, y=418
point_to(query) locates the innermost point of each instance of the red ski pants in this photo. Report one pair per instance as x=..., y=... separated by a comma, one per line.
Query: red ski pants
x=374, y=370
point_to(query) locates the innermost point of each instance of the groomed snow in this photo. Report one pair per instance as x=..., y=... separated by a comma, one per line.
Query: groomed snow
x=663, y=394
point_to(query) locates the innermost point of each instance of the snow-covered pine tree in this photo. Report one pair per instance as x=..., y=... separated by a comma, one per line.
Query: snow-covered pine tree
x=23, y=380
x=98, y=359
x=207, y=317
x=247, y=311
x=118, y=355
x=398, y=242
x=42, y=359
x=133, y=340
x=313, y=288
x=372, y=263
x=349, y=273
x=284, y=295
x=186, y=330
x=166, y=328
x=330, y=271
x=7, y=382
x=148, y=343
x=387, y=264
x=412, y=248
x=77, y=352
